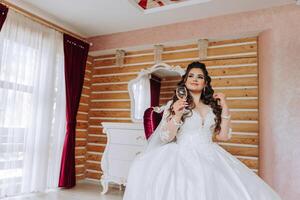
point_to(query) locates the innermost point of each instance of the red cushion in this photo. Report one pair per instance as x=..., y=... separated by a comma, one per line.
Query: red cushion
x=151, y=121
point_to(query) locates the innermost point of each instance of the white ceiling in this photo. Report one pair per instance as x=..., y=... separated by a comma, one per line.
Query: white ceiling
x=99, y=17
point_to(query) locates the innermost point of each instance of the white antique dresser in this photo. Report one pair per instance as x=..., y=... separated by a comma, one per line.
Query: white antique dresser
x=124, y=142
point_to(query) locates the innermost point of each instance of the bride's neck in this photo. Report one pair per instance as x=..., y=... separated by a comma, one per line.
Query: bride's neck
x=196, y=97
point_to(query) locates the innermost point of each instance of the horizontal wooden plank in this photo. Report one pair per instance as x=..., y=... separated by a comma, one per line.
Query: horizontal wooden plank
x=248, y=48
x=243, y=104
x=90, y=59
x=105, y=62
x=220, y=82
x=181, y=47
x=211, y=44
x=244, y=127
x=232, y=41
x=113, y=79
x=88, y=74
x=84, y=100
x=93, y=175
x=241, y=139
x=232, y=50
x=246, y=92
x=93, y=166
x=240, y=104
x=235, y=115
x=138, y=52
x=233, y=71
x=81, y=134
x=114, y=70
x=104, y=56
x=82, y=125
x=80, y=177
x=80, y=161
x=93, y=157
x=83, y=108
x=217, y=72
x=252, y=164
x=80, y=170
x=244, y=115
x=80, y=143
x=116, y=104
x=94, y=130
x=82, y=117
x=110, y=87
x=86, y=91
x=97, y=122
x=223, y=82
x=127, y=60
x=138, y=59
x=80, y=152
x=110, y=113
x=110, y=96
x=87, y=83
x=98, y=140
x=95, y=148
x=88, y=66
x=218, y=62
x=241, y=151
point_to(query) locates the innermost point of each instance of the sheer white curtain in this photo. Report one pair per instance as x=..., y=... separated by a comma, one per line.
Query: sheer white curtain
x=142, y=96
x=32, y=106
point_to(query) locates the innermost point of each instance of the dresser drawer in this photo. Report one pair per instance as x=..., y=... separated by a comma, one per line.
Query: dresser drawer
x=135, y=137
x=123, y=152
x=119, y=168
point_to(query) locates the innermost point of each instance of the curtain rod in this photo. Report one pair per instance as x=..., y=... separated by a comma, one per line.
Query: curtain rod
x=41, y=20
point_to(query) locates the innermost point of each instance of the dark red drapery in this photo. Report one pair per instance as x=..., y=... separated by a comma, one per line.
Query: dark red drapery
x=155, y=83
x=76, y=52
x=3, y=14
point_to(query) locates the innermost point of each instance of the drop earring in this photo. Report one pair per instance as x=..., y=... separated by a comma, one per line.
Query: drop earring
x=204, y=89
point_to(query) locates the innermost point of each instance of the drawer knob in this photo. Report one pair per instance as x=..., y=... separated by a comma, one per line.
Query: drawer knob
x=137, y=153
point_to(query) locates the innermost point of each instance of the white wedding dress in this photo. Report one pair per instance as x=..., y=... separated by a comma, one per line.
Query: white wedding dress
x=192, y=168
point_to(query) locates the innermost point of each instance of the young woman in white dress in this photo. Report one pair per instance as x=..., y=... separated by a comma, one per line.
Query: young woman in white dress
x=181, y=161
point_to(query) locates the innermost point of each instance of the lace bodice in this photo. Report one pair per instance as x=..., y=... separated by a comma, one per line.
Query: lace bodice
x=192, y=129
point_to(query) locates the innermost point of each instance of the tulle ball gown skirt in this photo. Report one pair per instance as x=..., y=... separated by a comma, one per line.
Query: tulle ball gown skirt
x=191, y=170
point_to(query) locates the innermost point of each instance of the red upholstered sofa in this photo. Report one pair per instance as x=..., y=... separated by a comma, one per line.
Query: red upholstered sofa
x=152, y=117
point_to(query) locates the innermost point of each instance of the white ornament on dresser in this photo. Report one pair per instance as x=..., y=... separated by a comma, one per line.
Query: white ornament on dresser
x=124, y=142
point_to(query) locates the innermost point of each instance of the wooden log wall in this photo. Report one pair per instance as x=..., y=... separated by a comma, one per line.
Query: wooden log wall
x=233, y=66
x=83, y=123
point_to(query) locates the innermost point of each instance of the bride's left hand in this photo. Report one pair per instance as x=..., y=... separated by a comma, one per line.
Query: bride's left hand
x=221, y=97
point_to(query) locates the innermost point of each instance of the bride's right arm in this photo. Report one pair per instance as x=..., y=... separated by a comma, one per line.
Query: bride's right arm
x=170, y=125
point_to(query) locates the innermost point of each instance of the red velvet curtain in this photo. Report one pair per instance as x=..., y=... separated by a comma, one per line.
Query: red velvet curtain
x=76, y=53
x=3, y=14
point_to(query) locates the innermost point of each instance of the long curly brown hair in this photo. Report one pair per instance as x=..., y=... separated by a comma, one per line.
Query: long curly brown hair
x=206, y=96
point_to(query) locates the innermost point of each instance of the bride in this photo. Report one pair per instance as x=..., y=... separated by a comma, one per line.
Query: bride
x=181, y=162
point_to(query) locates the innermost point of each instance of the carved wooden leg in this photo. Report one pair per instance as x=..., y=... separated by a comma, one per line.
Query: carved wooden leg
x=104, y=186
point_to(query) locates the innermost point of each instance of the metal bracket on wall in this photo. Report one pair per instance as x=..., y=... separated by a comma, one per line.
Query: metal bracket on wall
x=158, y=50
x=202, y=46
x=120, y=56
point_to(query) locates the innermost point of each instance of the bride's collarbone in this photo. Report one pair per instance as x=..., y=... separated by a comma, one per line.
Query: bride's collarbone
x=202, y=110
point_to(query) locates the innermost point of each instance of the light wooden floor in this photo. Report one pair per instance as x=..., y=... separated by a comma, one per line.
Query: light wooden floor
x=82, y=191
